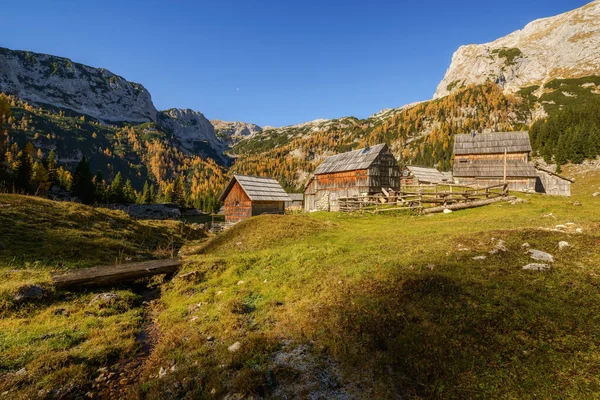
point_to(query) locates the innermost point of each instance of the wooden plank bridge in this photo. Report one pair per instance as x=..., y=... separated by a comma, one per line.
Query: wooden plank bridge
x=112, y=274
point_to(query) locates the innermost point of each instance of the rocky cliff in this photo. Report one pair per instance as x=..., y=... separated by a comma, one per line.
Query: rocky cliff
x=233, y=132
x=59, y=82
x=195, y=132
x=560, y=47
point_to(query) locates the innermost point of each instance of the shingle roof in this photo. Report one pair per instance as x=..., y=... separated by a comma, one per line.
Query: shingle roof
x=486, y=143
x=258, y=188
x=494, y=169
x=426, y=174
x=352, y=160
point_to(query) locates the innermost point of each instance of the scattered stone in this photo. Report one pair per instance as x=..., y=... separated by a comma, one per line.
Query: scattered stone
x=479, y=258
x=447, y=211
x=550, y=215
x=174, y=368
x=101, y=379
x=220, y=292
x=21, y=372
x=500, y=246
x=570, y=223
x=162, y=372
x=517, y=201
x=234, y=347
x=105, y=298
x=596, y=194
x=240, y=283
x=194, y=319
x=213, y=391
x=462, y=248
x=579, y=230
x=537, y=267
x=430, y=266
x=577, y=204
x=562, y=245
x=561, y=227
x=29, y=292
x=541, y=256
x=525, y=246
x=210, y=338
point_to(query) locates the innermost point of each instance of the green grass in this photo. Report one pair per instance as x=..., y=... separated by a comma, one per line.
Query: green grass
x=359, y=290
x=61, y=339
x=373, y=306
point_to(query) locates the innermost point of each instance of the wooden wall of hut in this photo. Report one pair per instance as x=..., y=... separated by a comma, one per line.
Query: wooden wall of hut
x=516, y=184
x=237, y=205
x=552, y=184
x=268, y=207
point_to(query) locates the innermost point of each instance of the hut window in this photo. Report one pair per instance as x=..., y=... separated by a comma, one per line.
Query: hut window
x=462, y=160
x=237, y=203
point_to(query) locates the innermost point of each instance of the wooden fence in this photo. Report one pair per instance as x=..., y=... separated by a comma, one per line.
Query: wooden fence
x=421, y=197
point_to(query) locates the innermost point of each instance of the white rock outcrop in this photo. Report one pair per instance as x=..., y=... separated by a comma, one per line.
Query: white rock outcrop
x=559, y=47
x=57, y=81
x=235, y=131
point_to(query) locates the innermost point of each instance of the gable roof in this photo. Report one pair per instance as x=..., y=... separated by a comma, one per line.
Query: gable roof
x=352, y=160
x=489, y=143
x=426, y=174
x=494, y=169
x=257, y=188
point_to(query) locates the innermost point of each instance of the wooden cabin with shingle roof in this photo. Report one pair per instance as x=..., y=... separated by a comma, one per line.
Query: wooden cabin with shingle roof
x=359, y=172
x=486, y=159
x=415, y=175
x=247, y=196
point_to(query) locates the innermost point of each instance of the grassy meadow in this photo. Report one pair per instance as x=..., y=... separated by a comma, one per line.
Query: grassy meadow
x=321, y=305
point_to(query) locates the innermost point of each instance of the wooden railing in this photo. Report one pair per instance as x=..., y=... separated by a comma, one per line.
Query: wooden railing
x=420, y=197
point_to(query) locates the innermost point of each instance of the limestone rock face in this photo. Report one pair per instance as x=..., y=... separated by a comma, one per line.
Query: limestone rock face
x=59, y=82
x=233, y=132
x=195, y=132
x=559, y=47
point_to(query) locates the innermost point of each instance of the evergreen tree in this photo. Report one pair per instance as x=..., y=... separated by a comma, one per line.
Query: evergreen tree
x=116, y=190
x=23, y=171
x=52, y=168
x=146, y=194
x=83, y=186
x=129, y=194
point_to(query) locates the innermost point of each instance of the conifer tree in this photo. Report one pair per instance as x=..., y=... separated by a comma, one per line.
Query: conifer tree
x=116, y=189
x=52, y=167
x=39, y=178
x=179, y=196
x=23, y=171
x=99, y=187
x=82, y=185
x=129, y=194
x=146, y=194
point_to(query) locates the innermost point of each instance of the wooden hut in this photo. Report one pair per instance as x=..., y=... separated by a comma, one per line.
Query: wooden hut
x=247, y=196
x=297, y=203
x=493, y=158
x=552, y=183
x=415, y=175
x=359, y=172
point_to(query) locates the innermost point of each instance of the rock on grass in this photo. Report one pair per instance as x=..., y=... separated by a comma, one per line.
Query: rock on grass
x=537, y=267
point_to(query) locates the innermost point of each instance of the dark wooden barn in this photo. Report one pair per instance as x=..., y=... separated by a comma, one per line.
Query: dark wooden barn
x=247, y=196
x=492, y=158
x=355, y=173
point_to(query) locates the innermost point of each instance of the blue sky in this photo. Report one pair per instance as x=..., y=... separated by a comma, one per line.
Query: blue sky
x=270, y=62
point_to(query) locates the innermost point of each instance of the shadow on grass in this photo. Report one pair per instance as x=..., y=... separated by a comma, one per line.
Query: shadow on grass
x=437, y=336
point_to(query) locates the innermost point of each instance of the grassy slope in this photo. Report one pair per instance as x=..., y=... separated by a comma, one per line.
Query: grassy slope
x=360, y=293
x=62, y=339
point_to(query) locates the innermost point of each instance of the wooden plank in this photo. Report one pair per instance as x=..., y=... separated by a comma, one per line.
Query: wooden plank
x=111, y=274
x=471, y=204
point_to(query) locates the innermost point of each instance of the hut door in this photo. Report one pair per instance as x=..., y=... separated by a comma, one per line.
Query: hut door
x=384, y=172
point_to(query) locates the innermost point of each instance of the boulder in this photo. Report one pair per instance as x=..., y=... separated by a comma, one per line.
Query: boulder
x=29, y=292
x=537, y=267
x=596, y=194
x=541, y=256
x=104, y=298
x=479, y=258
x=447, y=211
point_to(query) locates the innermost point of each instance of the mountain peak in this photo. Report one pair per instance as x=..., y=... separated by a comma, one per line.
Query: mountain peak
x=559, y=47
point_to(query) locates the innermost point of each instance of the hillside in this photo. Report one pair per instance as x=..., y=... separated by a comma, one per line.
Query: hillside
x=322, y=305
x=560, y=47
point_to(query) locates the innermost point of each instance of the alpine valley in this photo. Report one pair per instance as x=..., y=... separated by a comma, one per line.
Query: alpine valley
x=534, y=79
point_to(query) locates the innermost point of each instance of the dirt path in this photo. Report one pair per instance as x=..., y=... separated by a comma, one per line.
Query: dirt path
x=119, y=381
